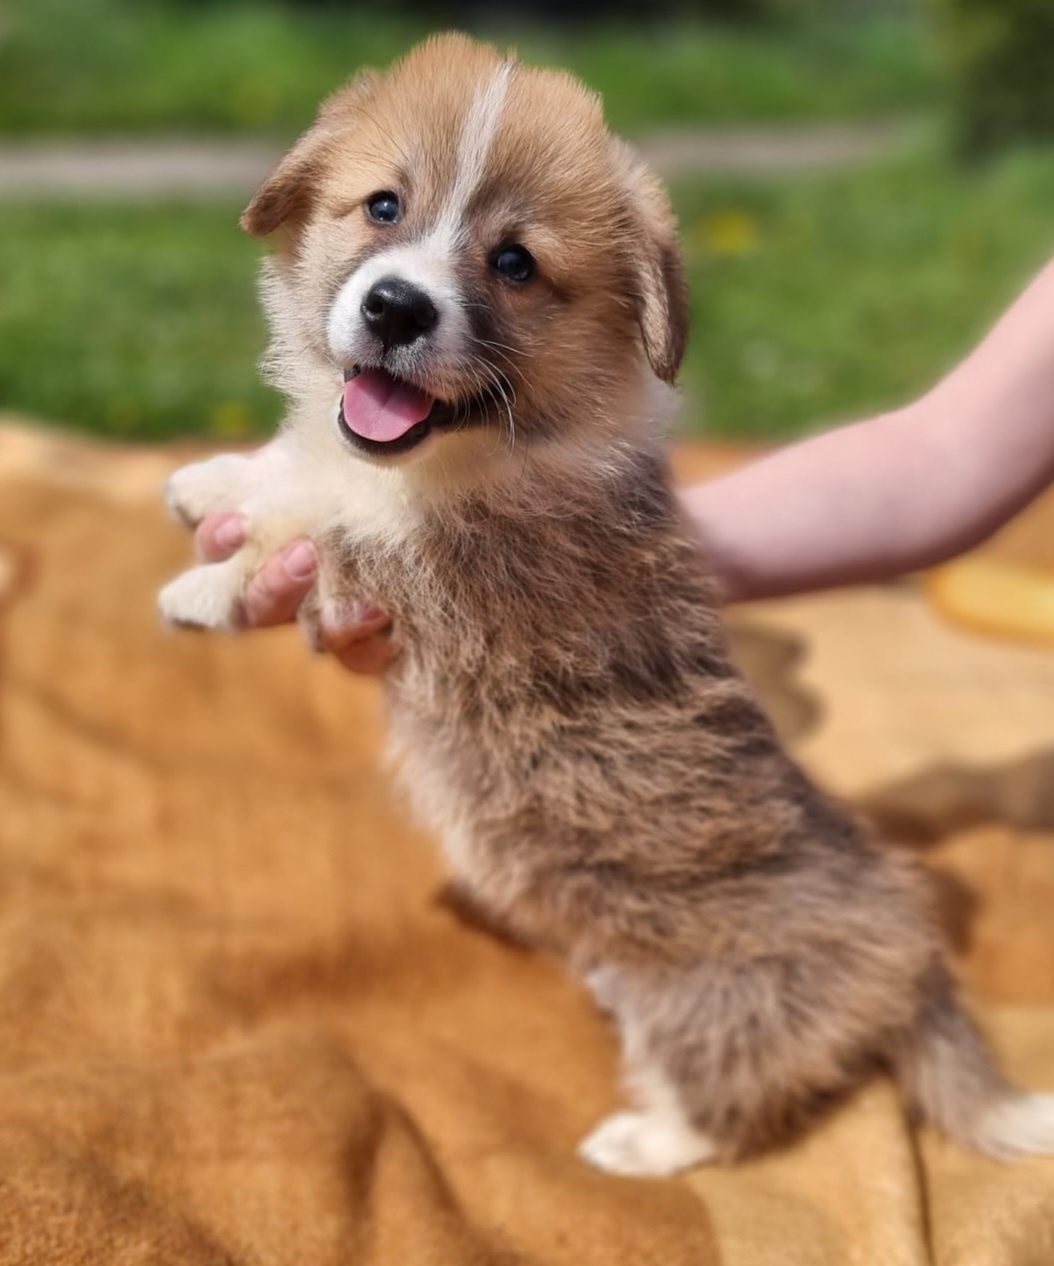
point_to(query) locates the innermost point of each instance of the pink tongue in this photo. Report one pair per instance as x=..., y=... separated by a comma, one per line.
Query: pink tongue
x=378, y=407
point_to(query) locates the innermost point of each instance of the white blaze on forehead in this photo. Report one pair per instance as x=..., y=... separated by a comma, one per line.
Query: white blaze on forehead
x=477, y=136
x=429, y=261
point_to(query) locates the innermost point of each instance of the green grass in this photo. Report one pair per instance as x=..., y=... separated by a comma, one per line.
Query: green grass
x=816, y=298
x=90, y=66
x=127, y=321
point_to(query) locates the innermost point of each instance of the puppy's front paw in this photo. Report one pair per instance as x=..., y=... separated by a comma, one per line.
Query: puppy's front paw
x=646, y=1145
x=203, y=487
x=208, y=597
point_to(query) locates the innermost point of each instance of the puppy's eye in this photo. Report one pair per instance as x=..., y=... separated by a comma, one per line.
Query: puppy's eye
x=384, y=207
x=515, y=263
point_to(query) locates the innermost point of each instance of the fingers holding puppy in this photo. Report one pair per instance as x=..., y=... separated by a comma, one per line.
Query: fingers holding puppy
x=360, y=638
x=280, y=585
x=218, y=536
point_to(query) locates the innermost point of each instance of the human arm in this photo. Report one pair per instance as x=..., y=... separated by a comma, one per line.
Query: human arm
x=901, y=491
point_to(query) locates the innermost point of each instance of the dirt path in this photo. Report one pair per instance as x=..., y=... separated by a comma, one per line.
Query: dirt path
x=203, y=169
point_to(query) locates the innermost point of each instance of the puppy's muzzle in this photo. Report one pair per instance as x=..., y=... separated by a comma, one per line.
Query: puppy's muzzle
x=398, y=312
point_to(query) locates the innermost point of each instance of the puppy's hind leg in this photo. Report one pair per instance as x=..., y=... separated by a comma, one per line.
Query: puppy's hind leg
x=952, y=1080
x=655, y=1140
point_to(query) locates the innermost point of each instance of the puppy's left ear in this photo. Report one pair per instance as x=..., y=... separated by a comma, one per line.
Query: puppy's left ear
x=288, y=193
x=655, y=255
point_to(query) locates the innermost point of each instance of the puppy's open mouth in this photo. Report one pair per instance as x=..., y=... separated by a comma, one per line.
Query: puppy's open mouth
x=384, y=414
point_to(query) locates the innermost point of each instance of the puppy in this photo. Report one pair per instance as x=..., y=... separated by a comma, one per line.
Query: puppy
x=478, y=305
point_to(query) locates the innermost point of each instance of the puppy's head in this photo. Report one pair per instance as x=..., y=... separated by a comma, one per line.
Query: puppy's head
x=467, y=247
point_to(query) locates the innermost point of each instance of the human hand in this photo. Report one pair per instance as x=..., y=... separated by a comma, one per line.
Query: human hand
x=361, y=639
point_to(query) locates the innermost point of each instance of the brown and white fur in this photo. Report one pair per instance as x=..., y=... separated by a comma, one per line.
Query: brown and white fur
x=564, y=711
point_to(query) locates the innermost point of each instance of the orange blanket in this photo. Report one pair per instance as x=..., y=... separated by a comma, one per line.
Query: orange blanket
x=239, y=1024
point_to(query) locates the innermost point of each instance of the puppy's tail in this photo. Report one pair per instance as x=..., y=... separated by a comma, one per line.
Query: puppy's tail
x=951, y=1079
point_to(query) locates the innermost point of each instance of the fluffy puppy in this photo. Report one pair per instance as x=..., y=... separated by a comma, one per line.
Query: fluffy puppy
x=477, y=303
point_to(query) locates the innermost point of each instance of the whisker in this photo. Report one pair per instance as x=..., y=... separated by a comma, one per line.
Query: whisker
x=495, y=347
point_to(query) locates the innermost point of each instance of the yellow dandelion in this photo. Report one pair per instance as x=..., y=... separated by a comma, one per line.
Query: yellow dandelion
x=231, y=420
x=728, y=233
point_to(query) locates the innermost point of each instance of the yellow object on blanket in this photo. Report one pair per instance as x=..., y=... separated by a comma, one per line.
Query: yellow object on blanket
x=996, y=596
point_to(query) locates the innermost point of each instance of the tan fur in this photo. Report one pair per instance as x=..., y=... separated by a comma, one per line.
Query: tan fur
x=564, y=713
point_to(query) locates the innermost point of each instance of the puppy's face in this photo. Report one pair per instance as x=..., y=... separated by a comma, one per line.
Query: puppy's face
x=467, y=247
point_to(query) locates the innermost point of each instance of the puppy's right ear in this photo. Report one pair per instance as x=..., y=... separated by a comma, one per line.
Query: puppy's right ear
x=288, y=193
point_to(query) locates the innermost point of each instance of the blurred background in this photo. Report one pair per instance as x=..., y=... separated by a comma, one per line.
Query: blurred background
x=862, y=185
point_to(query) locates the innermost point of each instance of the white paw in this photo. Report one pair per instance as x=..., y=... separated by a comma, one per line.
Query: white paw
x=207, y=597
x=646, y=1145
x=202, y=487
x=1019, y=1124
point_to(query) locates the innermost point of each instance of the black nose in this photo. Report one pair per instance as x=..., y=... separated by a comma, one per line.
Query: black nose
x=398, y=312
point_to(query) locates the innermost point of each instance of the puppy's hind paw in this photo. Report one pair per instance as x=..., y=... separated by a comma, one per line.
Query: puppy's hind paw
x=646, y=1145
x=207, y=597
x=1018, y=1125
